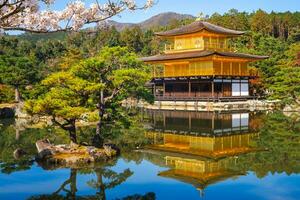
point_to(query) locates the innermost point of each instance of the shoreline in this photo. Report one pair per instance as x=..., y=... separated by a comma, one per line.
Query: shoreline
x=251, y=105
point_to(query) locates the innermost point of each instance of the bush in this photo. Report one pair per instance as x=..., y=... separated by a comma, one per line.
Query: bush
x=6, y=94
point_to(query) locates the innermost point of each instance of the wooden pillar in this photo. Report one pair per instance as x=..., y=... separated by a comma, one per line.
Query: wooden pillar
x=164, y=118
x=222, y=73
x=213, y=122
x=189, y=87
x=212, y=88
x=190, y=122
x=164, y=88
x=222, y=87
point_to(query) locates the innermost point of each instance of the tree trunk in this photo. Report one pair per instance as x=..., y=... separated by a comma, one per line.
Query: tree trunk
x=17, y=134
x=73, y=183
x=72, y=132
x=98, y=139
x=17, y=95
x=101, y=185
x=73, y=137
x=19, y=104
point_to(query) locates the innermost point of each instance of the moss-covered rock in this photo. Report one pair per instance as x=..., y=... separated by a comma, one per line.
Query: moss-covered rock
x=69, y=155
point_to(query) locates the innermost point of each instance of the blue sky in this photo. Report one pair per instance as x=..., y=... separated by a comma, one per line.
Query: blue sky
x=196, y=6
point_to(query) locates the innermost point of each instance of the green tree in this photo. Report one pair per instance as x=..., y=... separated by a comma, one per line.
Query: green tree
x=114, y=37
x=122, y=76
x=260, y=22
x=285, y=83
x=105, y=81
x=133, y=38
x=66, y=99
x=18, y=72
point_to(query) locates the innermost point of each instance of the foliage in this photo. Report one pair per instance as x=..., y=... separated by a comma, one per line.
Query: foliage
x=122, y=74
x=279, y=136
x=286, y=84
x=23, y=63
x=17, y=71
x=67, y=98
x=6, y=94
x=67, y=95
x=13, y=136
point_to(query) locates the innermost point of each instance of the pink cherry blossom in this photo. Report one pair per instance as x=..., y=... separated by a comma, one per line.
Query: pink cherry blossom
x=26, y=15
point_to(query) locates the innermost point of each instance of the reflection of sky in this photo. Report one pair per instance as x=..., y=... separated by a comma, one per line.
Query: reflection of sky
x=21, y=185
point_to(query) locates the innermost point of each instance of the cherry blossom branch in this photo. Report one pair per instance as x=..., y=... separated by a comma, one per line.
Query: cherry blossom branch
x=25, y=15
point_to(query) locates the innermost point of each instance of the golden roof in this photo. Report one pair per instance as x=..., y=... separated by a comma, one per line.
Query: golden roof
x=199, y=26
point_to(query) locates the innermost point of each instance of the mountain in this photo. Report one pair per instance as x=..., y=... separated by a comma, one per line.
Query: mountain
x=161, y=19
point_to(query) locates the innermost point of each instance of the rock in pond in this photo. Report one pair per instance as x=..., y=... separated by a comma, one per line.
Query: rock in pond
x=72, y=154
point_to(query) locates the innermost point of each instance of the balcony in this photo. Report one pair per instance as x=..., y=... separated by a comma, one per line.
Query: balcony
x=210, y=46
x=213, y=70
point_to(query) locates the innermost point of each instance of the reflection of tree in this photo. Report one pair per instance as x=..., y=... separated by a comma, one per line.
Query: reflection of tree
x=280, y=136
x=113, y=178
x=147, y=196
x=10, y=140
x=14, y=136
x=70, y=193
x=106, y=179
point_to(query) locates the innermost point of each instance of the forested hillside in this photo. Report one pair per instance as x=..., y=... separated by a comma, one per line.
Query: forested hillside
x=27, y=59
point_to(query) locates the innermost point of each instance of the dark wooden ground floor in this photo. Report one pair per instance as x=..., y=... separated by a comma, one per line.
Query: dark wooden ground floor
x=202, y=89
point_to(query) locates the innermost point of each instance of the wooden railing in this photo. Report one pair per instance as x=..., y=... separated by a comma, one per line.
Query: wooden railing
x=205, y=98
x=161, y=72
x=170, y=48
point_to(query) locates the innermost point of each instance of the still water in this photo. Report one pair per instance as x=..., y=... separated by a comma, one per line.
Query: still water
x=165, y=155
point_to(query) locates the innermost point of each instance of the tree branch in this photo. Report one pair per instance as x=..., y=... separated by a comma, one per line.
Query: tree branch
x=35, y=31
x=115, y=92
x=17, y=9
x=40, y=22
x=63, y=126
x=3, y=4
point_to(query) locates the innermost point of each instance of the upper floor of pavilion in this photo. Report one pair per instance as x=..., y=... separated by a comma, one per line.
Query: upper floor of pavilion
x=199, y=35
x=201, y=49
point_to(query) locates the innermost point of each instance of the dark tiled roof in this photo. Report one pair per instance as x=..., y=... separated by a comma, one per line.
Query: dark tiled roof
x=199, y=54
x=199, y=26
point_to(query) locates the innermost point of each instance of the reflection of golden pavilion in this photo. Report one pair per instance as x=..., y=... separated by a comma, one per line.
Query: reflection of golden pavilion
x=207, y=134
x=201, y=148
x=213, y=147
x=200, y=173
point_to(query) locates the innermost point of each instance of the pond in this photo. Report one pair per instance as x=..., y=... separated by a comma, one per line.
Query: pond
x=165, y=155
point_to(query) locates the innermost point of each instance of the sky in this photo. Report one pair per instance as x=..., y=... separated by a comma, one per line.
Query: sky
x=194, y=7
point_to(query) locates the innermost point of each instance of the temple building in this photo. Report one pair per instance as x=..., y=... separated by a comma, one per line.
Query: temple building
x=200, y=64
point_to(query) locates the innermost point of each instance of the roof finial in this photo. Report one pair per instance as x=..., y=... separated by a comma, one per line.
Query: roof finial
x=201, y=17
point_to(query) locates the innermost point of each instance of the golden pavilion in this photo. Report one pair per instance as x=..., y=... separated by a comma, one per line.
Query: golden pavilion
x=200, y=64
